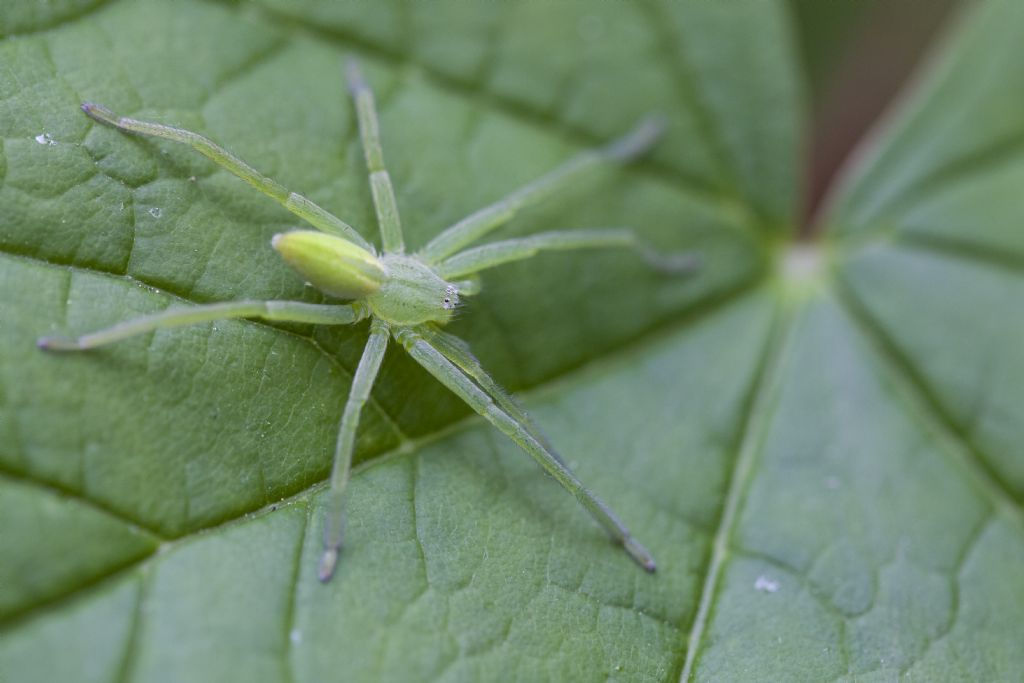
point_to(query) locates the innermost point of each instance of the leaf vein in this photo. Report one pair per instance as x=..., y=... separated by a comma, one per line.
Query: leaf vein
x=288, y=672
x=759, y=409
x=922, y=402
x=695, y=190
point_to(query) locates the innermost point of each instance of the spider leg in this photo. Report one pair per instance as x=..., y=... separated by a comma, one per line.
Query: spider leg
x=469, y=286
x=362, y=382
x=457, y=351
x=315, y=215
x=462, y=386
x=475, y=259
x=489, y=218
x=380, y=180
x=284, y=311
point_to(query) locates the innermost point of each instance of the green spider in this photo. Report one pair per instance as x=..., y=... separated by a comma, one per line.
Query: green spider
x=407, y=297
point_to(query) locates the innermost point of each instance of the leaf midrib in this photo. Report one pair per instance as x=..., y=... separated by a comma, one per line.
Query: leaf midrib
x=752, y=425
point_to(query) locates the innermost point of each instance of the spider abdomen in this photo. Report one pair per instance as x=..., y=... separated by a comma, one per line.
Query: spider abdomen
x=332, y=264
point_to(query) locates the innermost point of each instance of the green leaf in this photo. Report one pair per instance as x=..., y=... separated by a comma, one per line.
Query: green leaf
x=820, y=444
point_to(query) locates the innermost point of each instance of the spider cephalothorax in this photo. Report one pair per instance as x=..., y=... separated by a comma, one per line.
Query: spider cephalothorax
x=413, y=293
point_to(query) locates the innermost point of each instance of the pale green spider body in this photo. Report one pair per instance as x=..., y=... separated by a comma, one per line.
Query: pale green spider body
x=407, y=297
x=399, y=289
x=413, y=293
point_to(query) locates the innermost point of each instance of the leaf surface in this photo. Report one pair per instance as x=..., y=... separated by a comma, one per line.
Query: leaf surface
x=819, y=444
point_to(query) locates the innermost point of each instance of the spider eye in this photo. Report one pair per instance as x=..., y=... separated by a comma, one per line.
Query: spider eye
x=451, y=298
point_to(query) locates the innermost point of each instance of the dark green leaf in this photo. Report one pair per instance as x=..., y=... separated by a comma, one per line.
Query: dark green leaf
x=819, y=444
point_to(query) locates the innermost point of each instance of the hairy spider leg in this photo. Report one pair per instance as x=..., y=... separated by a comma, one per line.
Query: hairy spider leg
x=305, y=208
x=462, y=386
x=489, y=218
x=476, y=259
x=471, y=286
x=457, y=351
x=380, y=181
x=362, y=383
x=284, y=311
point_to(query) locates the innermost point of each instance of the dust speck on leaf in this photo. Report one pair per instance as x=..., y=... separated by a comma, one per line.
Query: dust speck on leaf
x=765, y=585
